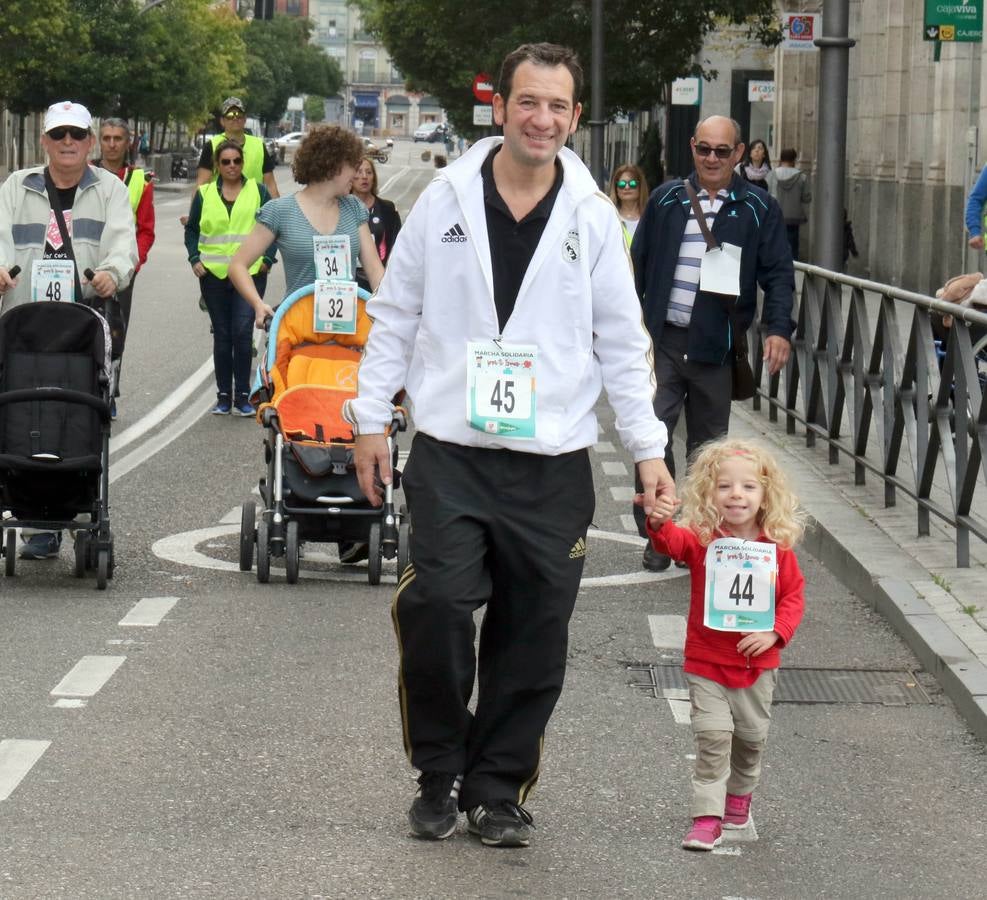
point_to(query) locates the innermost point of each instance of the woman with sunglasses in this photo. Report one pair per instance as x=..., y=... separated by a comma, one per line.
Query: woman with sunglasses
x=629, y=192
x=222, y=211
x=384, y=222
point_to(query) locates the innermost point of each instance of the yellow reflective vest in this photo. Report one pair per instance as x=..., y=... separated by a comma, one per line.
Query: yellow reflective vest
x=253, y=155
x=222, y=232
x=135, y=180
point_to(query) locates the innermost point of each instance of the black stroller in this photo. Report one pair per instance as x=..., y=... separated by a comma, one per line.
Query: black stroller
x=55, y=389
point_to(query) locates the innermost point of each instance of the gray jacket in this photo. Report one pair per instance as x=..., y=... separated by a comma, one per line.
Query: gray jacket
x=790, y=187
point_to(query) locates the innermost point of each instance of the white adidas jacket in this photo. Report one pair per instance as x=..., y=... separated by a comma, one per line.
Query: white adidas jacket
x=577, y=304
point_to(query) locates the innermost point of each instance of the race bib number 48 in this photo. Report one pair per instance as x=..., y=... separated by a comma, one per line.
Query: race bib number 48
x=53, y=279
x=740, y=585
x=500, y=388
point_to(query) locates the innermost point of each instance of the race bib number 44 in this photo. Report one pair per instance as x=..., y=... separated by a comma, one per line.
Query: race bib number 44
x=740, y=585
x=500, y=388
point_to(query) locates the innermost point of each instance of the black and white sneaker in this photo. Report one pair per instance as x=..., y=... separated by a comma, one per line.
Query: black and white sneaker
x=435, y=809
x=501, y=823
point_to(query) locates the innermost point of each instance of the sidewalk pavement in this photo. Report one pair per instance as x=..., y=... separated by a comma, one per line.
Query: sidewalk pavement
x=939, y=610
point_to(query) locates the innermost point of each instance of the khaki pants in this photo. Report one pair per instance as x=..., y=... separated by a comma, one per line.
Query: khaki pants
x=731, y=729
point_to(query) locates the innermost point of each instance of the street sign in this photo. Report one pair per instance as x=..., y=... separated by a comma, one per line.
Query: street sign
x=954, y=20
x=687, y=92
x=483, y=88
x=483, y=114
x=800, y=30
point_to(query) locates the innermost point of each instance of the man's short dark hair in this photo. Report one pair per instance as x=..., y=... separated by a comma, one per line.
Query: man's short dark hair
x=789, y=155
x=114, y=122
x=541, y=55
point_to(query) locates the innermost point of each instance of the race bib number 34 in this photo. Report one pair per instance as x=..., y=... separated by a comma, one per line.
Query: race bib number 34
x=500, y=389
x=740, y=585
x=332, y=256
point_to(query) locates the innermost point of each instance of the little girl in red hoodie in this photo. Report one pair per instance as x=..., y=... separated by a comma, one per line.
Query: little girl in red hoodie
x=740, y=521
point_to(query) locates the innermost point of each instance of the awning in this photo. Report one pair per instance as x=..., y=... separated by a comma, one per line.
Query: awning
x=398, y=100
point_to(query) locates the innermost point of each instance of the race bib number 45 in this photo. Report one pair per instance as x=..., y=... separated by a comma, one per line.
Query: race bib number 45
x=500, y=388
x=740, y=585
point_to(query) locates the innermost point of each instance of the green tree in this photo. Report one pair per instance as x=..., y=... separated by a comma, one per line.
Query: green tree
x=315, y=108
x=281, y=62
x=440, y=45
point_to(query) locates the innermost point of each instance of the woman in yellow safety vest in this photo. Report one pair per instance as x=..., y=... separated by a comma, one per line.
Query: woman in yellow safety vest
x=629, y=192
x=221, y=216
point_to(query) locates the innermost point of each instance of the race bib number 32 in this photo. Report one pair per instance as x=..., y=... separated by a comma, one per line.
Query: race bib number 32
x=500, y=389
x=740, y=585
x=335, y=307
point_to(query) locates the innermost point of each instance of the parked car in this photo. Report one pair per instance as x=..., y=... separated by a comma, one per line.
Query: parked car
x=288, y=143
x=430, y=132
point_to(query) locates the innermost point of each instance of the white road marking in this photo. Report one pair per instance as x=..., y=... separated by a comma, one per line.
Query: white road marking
x=614, y=468
x=167, y=406
x=148, y=612
x=623, y=494
x=69, y=703
x=183, y=549
x=603, y=447
x=628, y=524
x=667, y=632
x=232, y=517
x=16, y=760
x=727, y=851
x=87, y=676
x=394, y=178
x=678, y=703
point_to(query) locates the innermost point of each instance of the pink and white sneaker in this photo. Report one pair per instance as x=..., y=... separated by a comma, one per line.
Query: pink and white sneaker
x=705, y=834
x=737, y=812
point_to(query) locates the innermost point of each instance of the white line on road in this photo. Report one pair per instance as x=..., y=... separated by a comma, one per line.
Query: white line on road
x=16, y=759
x=622, y=494
x=628, y=523
x=614, y=468
x=163, y=409
x=232, y=517
x=603, y=447
x=87, y=676
x=678, y=703
x=148, y=612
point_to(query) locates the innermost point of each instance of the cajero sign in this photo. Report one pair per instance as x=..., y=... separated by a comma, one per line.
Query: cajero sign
x=954, y=20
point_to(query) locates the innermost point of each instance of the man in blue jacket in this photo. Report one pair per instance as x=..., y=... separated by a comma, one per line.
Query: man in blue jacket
x=690, y=326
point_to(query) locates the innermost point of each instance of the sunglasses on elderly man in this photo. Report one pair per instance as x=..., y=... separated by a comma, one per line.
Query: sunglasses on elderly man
x=623, y=183
x=720, y=152
x=77, y=134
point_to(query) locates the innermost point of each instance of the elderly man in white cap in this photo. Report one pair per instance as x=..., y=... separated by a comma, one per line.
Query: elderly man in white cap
x=71, y=214
x=258, y=164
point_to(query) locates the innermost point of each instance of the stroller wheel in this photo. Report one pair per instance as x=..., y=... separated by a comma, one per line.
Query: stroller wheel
x=375, y=549
x=404, y=547
x=81, y=548
x=263, y=551
x=291, y=552
x=102, y=569
x=247, y=535
x=10, y=551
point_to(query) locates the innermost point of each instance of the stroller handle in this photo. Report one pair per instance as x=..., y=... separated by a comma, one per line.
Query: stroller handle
x=14, y=271
x=89, y=273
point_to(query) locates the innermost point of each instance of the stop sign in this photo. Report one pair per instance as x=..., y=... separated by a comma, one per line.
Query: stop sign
x=483, y=88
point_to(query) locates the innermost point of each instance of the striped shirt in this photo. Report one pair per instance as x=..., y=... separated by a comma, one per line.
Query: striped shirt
x=685, y=281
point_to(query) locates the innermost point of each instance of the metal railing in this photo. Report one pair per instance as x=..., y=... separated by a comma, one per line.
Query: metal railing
x=868, y=376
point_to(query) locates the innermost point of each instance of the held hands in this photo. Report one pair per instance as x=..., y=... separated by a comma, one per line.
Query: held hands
x=663, y=510
x=756, y=642
x=656, y=481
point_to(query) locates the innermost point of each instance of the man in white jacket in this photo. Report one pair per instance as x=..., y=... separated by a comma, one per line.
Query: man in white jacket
x=507, y=304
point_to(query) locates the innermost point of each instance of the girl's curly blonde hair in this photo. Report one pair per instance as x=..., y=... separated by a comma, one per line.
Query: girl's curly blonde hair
x=780, y=517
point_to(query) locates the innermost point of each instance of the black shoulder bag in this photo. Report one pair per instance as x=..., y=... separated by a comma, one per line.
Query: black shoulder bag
x=743, y=375
x=107, y=307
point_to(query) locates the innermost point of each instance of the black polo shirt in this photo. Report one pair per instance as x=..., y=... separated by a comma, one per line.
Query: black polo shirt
x=512, y=243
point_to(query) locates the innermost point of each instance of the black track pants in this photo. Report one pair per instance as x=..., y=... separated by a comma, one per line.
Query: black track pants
x=505, y=529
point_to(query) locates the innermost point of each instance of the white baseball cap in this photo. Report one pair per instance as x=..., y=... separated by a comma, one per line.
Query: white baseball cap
x=67, y=112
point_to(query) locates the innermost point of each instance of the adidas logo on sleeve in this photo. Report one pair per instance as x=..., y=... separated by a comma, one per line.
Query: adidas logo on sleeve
x=454, y=235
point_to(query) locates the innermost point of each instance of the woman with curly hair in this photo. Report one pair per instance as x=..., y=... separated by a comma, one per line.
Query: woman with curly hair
x=740, y=522
x=629, y=192
x=325, y=164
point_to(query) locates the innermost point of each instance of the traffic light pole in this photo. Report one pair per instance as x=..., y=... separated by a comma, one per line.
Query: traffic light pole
x=597, y=122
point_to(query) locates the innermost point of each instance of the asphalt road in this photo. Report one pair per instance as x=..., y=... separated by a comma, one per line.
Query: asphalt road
x=248, y=744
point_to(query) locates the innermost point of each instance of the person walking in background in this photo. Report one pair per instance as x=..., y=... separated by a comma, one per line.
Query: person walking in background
x=114, y=144
x=629, y=192
x=756, y=165
x=72, y=214
x=740, y=524
x=690, y=324
x=258, y=164
x=222, y=212
x=789, y=185
x=384, y=221
x=975, y=214
x=510, y=271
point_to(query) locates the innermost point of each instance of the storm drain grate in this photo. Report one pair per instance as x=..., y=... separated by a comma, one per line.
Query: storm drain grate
x=890, y=687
